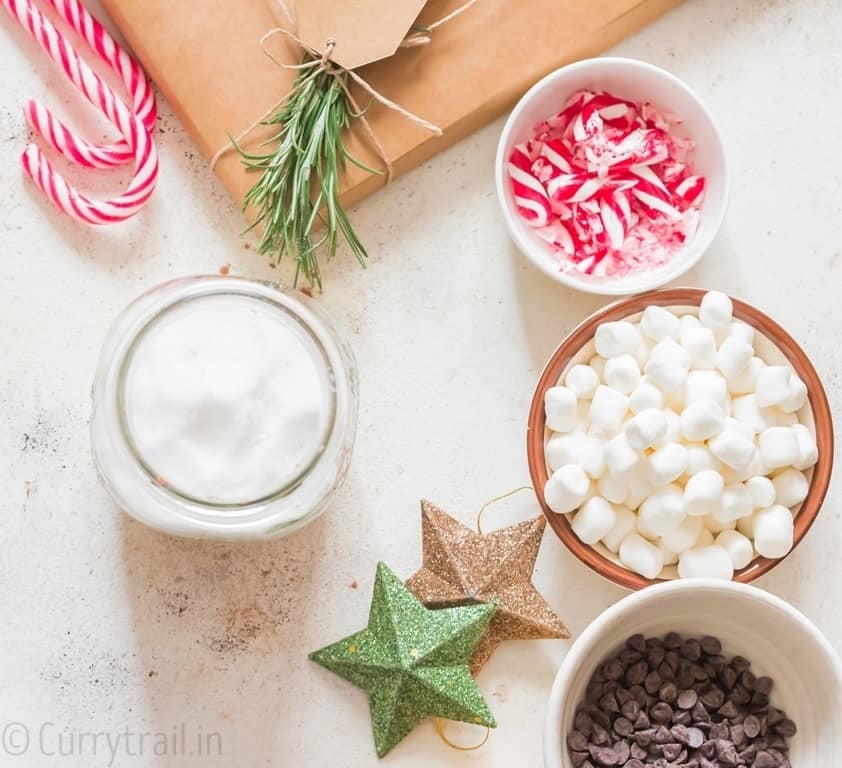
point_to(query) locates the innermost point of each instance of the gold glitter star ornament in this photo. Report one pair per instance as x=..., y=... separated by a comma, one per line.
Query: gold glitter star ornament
x=463, y=567
x=412, y=661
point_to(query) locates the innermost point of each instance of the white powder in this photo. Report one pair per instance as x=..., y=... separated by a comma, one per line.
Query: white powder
x=228, y=399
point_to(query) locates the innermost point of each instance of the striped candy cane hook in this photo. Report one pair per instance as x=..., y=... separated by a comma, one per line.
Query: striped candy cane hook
x=138, y=143
x=62, y=138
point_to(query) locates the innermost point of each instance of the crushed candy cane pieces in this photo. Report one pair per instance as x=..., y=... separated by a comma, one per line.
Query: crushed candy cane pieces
x=608, y=184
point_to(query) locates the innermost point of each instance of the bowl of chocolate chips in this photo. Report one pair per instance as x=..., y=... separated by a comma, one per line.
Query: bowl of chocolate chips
x=697, y=674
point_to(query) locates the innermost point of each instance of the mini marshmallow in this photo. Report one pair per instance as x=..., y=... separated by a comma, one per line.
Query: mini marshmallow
x=622, y=373
x=625, y=522
x=646, y=428
x=762, y=491
x=797, y=395
x=742, y=331
x=700, y=459
x=738, y=547
x=592, y=456
x=754, y=468
x=566, y=489
x=564, y=448
x=701, y=344
x=640, y=486
x=737, y=502
x=732, y=448
x=643, y=351
x=779, y=447
x=667, y=464
x=715, y=310
x=684, y=536
x=597, y=364
x=560, y=409
x=641, y=556
x=745, y=382
x=773, y=531
x=615, y=489
x=745, y=525
x=808, y=453
x=645, y=395
x=658, y=323
x=715, y=525
x=662, y=512
x=703, y=493
x=706, y=385
x=620, y=457
x=608, y=408
x=773, y=384
x=670, y=557
x=594, y=519
x=791, y=487
x=747, y=410
x=733, y=356
x=617, y=338
x=705, y=537
x=740, y=426
x=582, y=381
x=673, y=434
x=668, y=365
x=702, y=420
x=711, y=562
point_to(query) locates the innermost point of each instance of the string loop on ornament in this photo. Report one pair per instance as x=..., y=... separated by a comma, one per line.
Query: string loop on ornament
x=496, y=499
x=439, y=723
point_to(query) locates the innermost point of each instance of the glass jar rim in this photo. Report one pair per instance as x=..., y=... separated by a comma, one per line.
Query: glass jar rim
x=126, y=432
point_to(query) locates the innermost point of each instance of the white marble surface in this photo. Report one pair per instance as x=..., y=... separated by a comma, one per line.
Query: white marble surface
x=108, y=625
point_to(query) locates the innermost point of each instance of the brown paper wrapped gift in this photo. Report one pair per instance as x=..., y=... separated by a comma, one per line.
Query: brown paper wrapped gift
x=206, y=58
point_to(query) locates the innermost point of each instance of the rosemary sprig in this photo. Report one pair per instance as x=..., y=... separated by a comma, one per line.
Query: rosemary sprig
x=299, y=178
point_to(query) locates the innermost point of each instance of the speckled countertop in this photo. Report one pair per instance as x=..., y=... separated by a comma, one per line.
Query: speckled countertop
x=108, y=625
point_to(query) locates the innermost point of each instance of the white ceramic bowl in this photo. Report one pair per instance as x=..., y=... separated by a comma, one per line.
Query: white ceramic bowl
x=636, y=81
x=777, y=639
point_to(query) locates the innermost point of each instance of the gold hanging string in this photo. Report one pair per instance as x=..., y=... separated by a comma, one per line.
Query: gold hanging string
x=496, y=499
x=439, y=723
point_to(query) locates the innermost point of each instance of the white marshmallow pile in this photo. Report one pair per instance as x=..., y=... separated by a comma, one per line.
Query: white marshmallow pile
x=678, y=445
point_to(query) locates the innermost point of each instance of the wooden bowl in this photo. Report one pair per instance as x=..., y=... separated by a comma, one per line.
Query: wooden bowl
x=817, y=411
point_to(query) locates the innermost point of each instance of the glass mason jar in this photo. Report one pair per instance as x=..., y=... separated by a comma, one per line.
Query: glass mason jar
x=141, y=486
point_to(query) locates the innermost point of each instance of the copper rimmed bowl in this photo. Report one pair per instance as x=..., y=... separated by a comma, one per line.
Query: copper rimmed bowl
x=773, y=344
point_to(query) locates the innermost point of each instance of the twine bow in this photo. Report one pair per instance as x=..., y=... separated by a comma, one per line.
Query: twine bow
x=322, y=63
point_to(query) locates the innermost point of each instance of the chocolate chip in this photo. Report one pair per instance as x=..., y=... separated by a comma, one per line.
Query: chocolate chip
x=662, y=712
x=668, y=692
x=638, y=752
x=635, y=763
x=711, y=645
x=630, y=710
x=786, y=728
x=614, y=669
x=623, y=727
x=728, y=710
x=599, y=735
x=608, y=703
x=763, y=685
x=672, y=641
x=740, y=664
x=671, y=751
x=738, y=735
x=691, y=649
x=752, y=727
x=687, y=699
x=577, y=741
x=637, y=643
x=642, y=722
x=636, y=673
x=765, y=760
x=713, y=698
x=682, y=717
x=605, y=756
x=719, y=732
x=695, y=738
x=774, y=716
x=652, y=683
x=583, y=723
x=578, y=758
x=728, y=678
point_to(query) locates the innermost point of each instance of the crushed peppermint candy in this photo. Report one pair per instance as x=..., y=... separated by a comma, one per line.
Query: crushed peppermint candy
x=609, y=184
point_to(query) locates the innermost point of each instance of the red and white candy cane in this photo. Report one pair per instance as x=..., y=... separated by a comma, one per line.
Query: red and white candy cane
x=61, y=137
x=132, y=128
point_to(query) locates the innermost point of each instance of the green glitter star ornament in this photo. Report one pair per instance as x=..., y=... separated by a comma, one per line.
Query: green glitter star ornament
x=412, y=661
